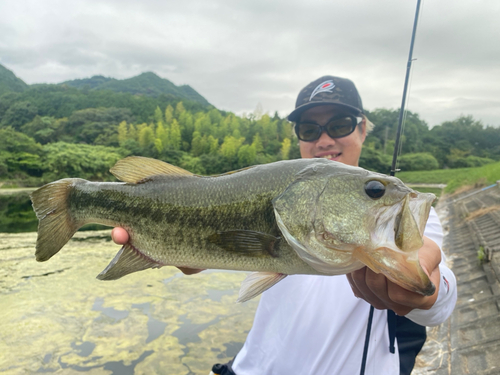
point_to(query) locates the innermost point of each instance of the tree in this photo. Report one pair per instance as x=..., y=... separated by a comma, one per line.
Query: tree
x=285, y=148
x=374, y=160
x=294, y=149
x=257, y=144
x=169, y=114
x=122, y=132
x=15, y=142
x=199, y=144
x=132, y=132
x=175, y=135
x=90, y=124
x=19, y=153
x=186, y=125
x=192, y=164
x=422, y=161
x=179, y=109
x=158, y=116
x=230, y=146
x=45, y=129
x=456, y=134
x=386, y=124
x=18, y=114
x=158, y=145
x=213, y=144
x=246, y=156
x=147, y=138
x=79, y=160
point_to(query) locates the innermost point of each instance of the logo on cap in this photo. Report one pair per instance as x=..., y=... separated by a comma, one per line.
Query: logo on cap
x=326, y=86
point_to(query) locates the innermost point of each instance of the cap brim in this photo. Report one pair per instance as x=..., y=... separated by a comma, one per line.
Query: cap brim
x=295, y=115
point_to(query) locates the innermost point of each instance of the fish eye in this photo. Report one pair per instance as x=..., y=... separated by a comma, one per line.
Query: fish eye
x=375, y=189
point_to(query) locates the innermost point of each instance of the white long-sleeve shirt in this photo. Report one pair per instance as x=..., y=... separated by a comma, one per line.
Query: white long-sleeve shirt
x=309, y=324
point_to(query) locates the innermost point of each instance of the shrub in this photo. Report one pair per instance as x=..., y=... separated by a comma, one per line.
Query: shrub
x=422, y=161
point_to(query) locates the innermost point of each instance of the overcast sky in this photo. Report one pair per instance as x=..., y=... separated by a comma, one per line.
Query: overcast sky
x=241, y=53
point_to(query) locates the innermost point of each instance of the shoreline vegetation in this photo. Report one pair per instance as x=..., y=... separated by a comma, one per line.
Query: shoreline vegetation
x=16, y=213
x=455, y=179
x=80, y=128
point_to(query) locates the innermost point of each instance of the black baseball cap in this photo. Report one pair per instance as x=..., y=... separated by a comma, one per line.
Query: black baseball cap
x=327, y=90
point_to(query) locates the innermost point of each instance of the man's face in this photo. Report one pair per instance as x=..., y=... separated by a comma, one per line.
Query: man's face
x=345, y=150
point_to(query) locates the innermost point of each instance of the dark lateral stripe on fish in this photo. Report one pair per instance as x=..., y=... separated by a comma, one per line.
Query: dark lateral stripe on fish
x=116, y=205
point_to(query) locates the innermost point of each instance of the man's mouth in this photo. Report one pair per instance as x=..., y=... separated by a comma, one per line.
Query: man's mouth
x=332, y=156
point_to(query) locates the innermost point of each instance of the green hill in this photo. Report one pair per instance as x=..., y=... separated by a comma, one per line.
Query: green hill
x=148, y=84
x=145, y=84
x=90, y=83
x=9, y=81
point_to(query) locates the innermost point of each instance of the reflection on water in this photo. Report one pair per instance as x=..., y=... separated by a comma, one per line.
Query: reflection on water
x=56, y=317
x=155, y=326
x=16, y=214
x=110, y=312
x=116, y=367
x=188, y=331
x=85, y=348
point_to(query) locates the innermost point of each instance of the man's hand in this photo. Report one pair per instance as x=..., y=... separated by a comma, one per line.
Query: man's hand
x=121, y=237
x=382, y=293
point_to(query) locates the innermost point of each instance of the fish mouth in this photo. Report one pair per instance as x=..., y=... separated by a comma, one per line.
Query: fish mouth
x=398, y=259
x=420, y=207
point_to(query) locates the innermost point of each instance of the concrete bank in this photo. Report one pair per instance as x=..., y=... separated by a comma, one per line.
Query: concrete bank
x=469, y=342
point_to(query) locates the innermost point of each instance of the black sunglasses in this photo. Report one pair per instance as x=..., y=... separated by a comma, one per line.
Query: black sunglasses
x=336, y=127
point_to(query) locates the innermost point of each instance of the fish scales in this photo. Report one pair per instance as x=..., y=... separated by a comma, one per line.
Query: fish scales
x=307, y=216
x=170, y=219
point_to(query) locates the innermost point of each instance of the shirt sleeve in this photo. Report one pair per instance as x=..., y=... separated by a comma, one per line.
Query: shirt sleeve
x=447, y=295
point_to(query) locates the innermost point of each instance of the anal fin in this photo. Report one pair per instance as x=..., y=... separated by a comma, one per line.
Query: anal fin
x=257, y=283
x=126, y=261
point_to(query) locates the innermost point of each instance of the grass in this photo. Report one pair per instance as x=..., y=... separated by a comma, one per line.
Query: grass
x=455, y=178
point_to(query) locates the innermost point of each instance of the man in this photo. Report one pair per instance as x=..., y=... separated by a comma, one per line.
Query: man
x=318, y=324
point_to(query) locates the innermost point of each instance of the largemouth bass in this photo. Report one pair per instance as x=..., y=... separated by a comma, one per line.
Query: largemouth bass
x=304, y=216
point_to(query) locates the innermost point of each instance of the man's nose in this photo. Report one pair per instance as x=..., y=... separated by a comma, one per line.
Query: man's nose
x=325, y=140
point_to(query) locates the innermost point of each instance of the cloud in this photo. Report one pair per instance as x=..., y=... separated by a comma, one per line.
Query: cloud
x=238, y=54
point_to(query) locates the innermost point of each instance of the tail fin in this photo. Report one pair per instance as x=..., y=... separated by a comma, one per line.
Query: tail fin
x=56, y=226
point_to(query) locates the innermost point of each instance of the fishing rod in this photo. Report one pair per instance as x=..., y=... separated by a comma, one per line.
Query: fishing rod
x=391, y=316
x=405, y=90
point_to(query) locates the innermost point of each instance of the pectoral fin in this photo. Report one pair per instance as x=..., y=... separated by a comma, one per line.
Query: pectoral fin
x=246, y=242
x=257, y=283
x=126, y=261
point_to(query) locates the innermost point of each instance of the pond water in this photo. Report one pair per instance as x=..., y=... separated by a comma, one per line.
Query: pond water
x=56, y=317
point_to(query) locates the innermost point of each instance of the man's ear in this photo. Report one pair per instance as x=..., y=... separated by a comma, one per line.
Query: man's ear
x=363, y=130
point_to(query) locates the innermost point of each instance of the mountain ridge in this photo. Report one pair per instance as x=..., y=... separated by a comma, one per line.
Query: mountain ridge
x=10, y=82
x=147, y=83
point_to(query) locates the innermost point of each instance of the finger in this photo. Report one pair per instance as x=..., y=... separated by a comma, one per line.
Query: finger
x=119, y=236
x=429, y=256
x=377, y=293
x=400, y=300
x=354, y=288
x=362, y=278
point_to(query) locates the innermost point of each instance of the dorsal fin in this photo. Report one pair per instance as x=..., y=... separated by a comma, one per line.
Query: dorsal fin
x=136, y=168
